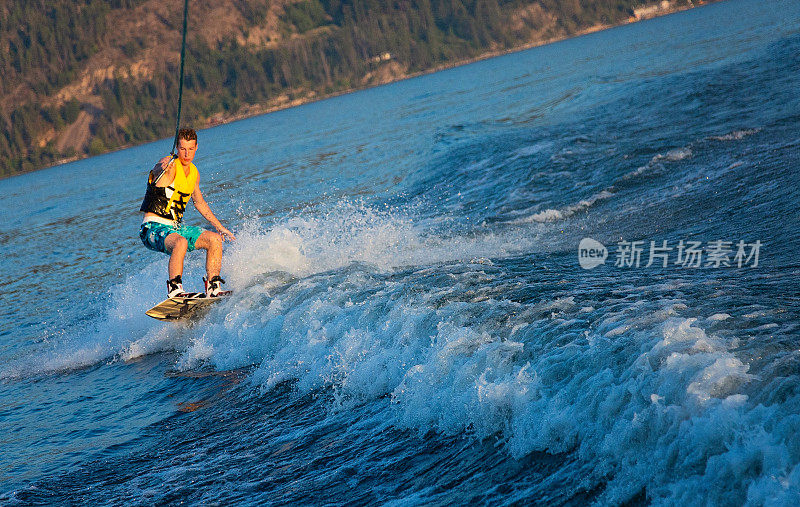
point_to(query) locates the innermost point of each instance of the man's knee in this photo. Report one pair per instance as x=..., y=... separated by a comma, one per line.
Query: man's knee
x=178, y=244
x=216, y=240
x=209, y=240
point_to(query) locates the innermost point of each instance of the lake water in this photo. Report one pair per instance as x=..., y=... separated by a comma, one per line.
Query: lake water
x=411, y=321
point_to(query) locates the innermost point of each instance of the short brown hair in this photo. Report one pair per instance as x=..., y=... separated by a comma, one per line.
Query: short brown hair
x=187, y=135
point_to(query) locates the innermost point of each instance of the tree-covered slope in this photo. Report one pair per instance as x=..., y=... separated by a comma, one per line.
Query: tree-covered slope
x=80, y=77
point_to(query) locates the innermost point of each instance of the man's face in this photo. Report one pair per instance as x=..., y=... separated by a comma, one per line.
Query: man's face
x=186, y=151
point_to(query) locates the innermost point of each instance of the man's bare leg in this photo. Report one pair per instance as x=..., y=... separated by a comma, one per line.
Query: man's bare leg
x=176, y=246
x=211, y=242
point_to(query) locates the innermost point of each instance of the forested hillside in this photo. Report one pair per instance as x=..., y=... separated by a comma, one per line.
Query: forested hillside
x=81, y=77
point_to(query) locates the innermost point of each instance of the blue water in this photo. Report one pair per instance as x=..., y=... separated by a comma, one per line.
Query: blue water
x=410, y=321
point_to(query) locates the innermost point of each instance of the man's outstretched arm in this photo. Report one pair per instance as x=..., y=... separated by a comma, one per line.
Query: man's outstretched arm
x=204, y=209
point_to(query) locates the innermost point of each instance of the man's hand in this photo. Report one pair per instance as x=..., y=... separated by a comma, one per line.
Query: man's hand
x=225, y=233
x=165, y=162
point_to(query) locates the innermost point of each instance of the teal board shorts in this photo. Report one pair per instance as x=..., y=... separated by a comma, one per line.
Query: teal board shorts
x=153, y=235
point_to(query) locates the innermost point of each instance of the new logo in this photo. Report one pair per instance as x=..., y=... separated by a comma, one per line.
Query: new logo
x=591, y=253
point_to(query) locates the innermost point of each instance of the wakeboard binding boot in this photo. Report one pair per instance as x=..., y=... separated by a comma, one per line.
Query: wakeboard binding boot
x=214, y=287
x=175, y=287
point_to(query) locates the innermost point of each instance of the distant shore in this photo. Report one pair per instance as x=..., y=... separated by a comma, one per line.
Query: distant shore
x=286, y=101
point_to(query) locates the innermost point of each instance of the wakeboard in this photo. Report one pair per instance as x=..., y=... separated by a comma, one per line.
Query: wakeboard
x=183, y=306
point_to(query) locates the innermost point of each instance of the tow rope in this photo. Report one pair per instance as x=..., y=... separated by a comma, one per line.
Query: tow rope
x=180, y=86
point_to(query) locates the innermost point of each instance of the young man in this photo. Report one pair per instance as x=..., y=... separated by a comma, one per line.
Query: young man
x=172, y=182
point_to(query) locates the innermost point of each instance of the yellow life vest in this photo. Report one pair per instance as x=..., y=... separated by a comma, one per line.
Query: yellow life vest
x=170, y=201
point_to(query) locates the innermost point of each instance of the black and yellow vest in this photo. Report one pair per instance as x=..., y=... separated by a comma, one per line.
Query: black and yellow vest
x=170, y=202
